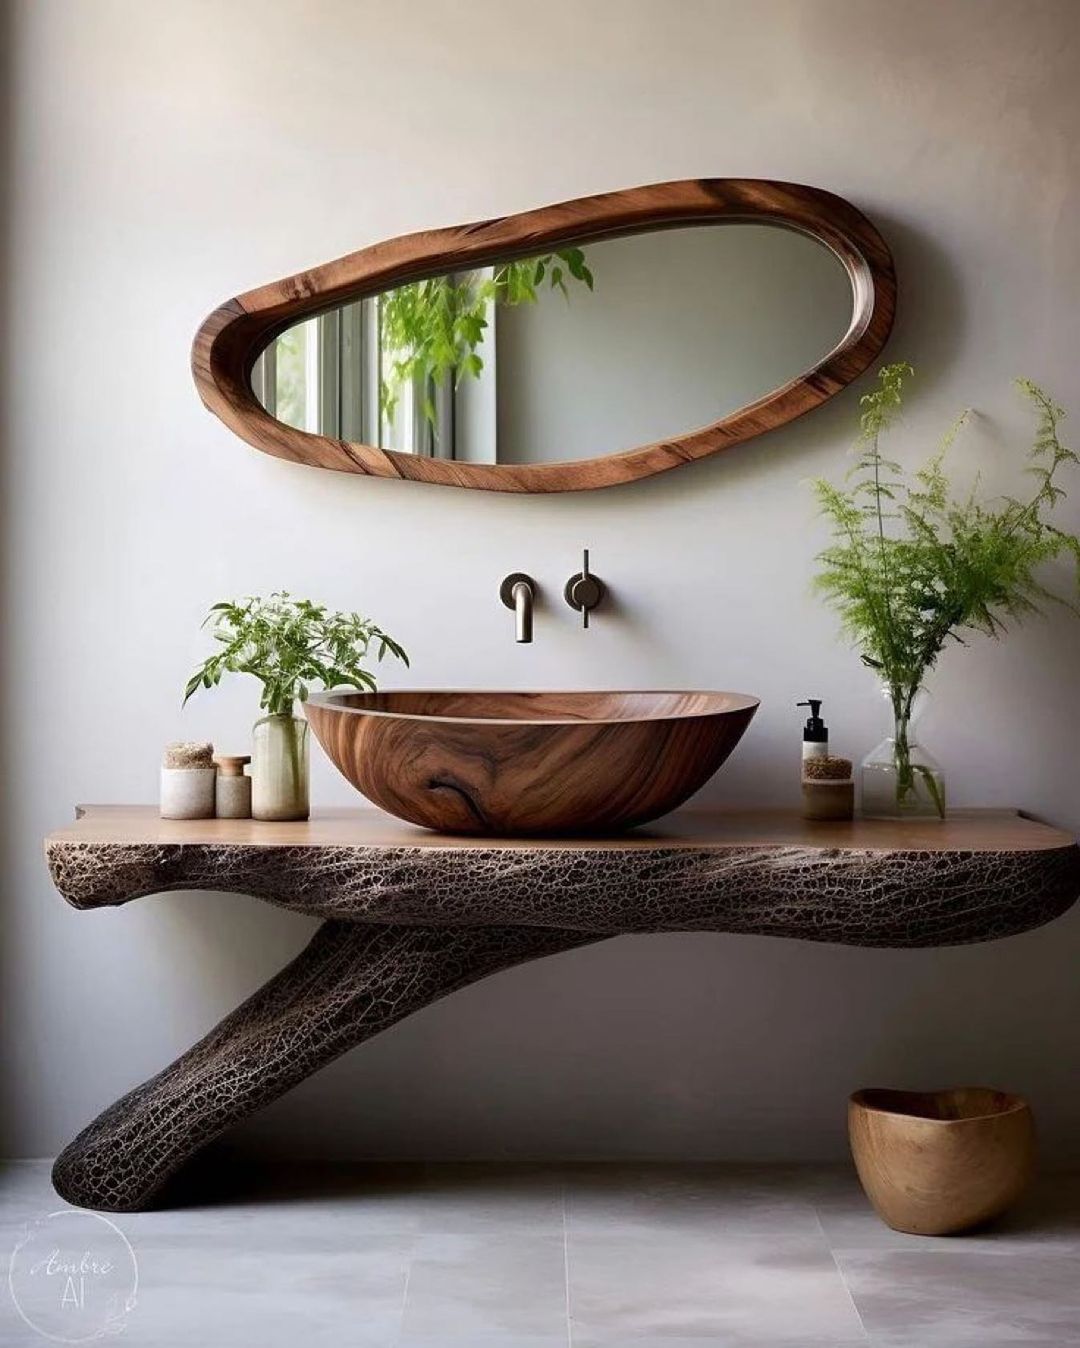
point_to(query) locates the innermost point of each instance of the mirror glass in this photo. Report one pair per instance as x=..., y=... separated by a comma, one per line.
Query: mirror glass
x=586, y=351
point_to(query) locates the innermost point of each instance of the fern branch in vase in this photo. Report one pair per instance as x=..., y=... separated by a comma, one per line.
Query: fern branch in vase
x=913, y=566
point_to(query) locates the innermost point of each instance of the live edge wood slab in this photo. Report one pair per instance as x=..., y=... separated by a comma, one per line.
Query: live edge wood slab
x=410, y=916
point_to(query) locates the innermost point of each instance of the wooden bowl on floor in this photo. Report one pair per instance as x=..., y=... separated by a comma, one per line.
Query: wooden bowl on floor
x=937, y=1162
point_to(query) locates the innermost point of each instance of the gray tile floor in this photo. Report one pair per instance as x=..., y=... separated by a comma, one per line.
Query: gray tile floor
x=575, y=1257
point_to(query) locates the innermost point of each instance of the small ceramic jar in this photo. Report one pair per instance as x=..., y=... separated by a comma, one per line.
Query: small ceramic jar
x=187, y=781
x=233, y=786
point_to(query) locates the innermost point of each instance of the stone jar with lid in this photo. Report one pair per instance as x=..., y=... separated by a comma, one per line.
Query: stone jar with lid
x=233, y=786
x=187, y=781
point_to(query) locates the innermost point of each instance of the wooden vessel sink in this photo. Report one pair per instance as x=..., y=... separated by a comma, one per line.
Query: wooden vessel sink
x=500, y=763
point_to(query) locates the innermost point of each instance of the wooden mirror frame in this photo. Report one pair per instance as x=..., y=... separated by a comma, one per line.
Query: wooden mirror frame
x=232, y=338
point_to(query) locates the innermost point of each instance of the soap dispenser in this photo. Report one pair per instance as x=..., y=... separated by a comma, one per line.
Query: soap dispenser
x=828, y=790
x=815, y=739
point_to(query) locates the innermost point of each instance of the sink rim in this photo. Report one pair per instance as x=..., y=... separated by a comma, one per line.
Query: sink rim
x=735, y=702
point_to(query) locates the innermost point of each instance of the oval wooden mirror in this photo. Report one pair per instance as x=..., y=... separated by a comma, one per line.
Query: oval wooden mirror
x=535, y=352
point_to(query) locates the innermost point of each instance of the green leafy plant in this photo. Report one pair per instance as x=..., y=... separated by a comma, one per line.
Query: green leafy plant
x=912, y=566
x=288, y=645
x=434, y=328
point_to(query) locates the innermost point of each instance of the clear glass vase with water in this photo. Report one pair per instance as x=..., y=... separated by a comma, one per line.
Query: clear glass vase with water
x=899, y=778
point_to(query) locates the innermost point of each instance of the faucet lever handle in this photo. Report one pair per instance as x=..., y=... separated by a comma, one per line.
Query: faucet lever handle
x=584, y=591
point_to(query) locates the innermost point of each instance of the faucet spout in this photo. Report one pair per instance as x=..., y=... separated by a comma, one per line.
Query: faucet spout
x=523, y=611
x=518, y=591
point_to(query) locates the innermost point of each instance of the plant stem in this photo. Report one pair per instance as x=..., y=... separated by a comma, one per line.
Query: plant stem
x=902, y=697
x=293, y=740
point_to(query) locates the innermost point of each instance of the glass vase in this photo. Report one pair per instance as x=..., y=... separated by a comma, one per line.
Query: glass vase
x=900, y=780
x=280, y=761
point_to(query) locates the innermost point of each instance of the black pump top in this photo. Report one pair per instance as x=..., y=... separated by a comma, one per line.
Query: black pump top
x=815, y=731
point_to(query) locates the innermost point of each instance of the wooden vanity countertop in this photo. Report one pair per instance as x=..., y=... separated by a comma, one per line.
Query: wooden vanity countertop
x=973, y=830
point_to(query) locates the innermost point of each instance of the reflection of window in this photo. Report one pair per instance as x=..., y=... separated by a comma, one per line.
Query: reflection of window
x=323, y=376
x=291, y=375
x=422, y=421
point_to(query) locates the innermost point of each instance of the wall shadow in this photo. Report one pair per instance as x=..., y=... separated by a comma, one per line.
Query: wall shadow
x=8, y=56
x=931, y=314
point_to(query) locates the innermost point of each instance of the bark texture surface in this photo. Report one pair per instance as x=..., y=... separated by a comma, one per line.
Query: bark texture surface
x=869, y=897
x=408, y=924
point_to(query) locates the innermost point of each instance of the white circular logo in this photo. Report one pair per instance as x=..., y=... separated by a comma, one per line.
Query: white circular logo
x=73, y=1276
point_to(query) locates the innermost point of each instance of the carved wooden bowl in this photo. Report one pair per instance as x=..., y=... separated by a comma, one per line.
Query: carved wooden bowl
x=937, y=1162
x=529, y=763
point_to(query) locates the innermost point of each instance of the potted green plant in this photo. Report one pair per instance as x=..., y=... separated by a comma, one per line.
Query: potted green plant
x=288, y=645
x=913, y=566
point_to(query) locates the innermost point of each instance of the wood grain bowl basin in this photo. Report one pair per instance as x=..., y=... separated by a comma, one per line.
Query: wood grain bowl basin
x=506, y=763
x=937, y=1162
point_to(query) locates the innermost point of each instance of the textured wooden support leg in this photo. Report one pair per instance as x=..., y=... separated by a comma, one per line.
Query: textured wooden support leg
x=349, y=983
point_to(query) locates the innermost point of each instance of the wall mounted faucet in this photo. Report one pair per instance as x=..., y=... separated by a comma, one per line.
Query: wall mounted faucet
x=518, y=591
x=584, y=591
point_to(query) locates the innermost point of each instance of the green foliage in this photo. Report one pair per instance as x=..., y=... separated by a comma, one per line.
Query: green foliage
x=433, y=328
x=912, y=567
x=289, y=644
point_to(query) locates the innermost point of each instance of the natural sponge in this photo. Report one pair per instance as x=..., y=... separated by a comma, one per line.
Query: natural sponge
x=188, y=754
x=826, y=769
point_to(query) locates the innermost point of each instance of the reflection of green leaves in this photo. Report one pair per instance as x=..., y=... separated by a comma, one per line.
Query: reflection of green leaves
x=575, y=262
x=431, y=329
